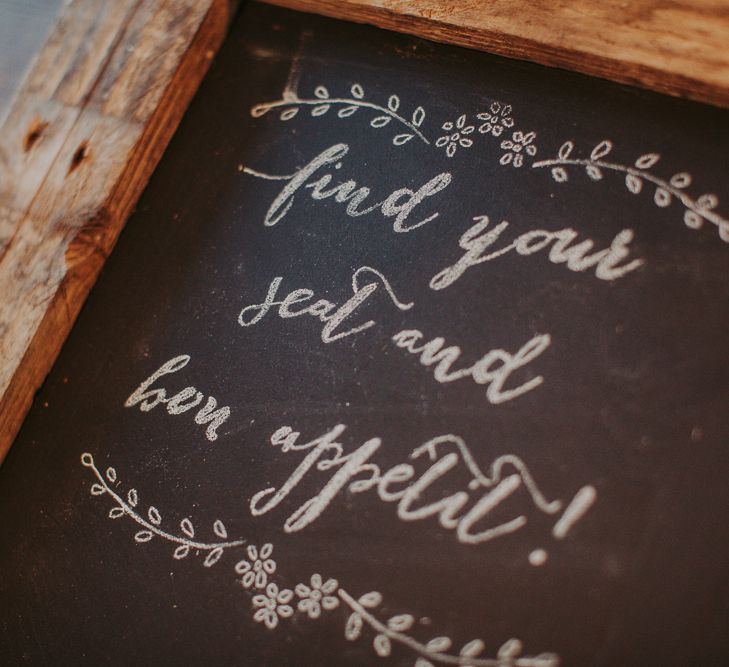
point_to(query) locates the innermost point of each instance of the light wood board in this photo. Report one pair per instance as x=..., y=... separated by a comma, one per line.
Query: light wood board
x=107, y=89
x=679, y=48
x=87, y=127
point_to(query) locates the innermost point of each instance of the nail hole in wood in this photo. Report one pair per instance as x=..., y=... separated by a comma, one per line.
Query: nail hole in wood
x=35, y=132
x=79, y=156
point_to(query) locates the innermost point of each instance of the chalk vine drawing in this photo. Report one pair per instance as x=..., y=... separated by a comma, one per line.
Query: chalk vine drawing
x=151, y=524
x=322, y=102
x=696, y=211
x=272, y=603
x=517, y=145
x=454, y=133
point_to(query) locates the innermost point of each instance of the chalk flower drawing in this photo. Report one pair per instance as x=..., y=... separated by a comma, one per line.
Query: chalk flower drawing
x=381, y=115
x=257, y=569
x=276, y=603
x=317, y=596
x=696, y=210
x=273, y=605
x=517, y=150
x=498, y=119
x=455, y=135
x=519, y=142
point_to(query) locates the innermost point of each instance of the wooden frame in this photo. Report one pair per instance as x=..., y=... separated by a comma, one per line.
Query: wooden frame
x=110, y=84
x=678, y=48
x=85, y=131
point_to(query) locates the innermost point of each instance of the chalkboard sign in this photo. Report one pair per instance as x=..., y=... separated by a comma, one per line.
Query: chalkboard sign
x=410, y=355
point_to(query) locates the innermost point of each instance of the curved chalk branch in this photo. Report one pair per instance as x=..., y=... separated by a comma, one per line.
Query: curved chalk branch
x=272, y=604
x=517, y=147
x=696, y=211
x=322, y=103
x=454, y=134
x=434, y=651
x=151, y=525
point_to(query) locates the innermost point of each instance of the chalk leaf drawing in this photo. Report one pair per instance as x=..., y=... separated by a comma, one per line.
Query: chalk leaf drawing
x=322, y=102
x=518, y=150
x=381, y=115
x=150, y=522
x=271, y=603
x=696, y=210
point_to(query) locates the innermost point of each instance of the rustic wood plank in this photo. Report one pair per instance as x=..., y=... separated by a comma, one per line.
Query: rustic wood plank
x=110, y=84
x=678, y=48
x=88, y=126
x=24, y=25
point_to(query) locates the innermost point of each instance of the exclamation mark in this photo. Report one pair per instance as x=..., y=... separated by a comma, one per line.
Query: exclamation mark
x=575, y=511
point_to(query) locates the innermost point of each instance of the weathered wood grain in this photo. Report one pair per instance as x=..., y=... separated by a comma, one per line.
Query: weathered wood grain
x=24, y=25
x=80, y=141
x=679, y=47
x=110, y=84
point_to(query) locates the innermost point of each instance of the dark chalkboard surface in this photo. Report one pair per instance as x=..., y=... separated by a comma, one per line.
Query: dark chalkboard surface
x=410, y=355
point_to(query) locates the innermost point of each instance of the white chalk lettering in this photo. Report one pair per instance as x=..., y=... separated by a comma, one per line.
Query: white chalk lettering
x=327, y=312
x=399, y=205
x=493, y=369
x=182, y=401
x=457, y=511
x=475, y=241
